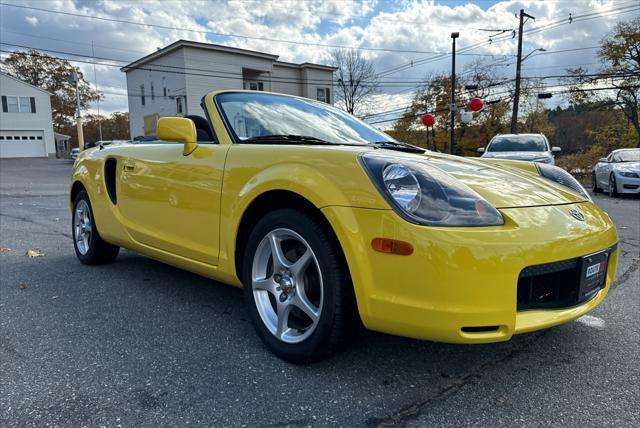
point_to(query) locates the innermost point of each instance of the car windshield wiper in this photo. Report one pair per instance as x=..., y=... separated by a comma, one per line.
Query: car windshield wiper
x=396, y=145
x=286, y=139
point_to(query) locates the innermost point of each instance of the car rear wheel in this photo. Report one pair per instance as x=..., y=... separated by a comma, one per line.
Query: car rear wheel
x=297, y=287
x=613, y=189
x=89, y=246
x=594, y=184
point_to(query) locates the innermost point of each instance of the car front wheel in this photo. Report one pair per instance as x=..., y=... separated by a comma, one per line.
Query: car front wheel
x=297, y=287
x=90, y=248
x=613, y=189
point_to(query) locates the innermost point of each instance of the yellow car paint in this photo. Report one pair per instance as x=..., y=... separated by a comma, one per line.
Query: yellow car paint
x=186, y=210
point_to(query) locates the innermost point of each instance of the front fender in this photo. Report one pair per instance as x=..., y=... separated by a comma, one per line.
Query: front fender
x=323, y=177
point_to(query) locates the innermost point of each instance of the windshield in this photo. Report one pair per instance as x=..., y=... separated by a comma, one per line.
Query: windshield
x=627, y=156
x=251, y=115
x=518, y=143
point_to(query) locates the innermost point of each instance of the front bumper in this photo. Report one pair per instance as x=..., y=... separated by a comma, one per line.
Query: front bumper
x=459, y=281
x=627, y=185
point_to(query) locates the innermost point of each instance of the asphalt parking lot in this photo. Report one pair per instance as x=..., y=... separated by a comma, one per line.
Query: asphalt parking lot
x=139, y=343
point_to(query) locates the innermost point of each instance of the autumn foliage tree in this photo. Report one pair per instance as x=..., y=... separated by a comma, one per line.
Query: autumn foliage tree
x=114, y=127
x=620, y=57
x=52, y=74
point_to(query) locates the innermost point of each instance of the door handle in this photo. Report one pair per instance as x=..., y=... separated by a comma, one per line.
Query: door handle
x=129, y=166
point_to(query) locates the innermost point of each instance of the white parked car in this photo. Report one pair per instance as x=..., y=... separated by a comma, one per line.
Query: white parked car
x=525, y=147
x=73, y=154
x=618, y=173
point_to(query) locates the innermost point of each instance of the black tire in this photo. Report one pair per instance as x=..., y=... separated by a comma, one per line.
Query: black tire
x=338, y=315
x=97, y=251
x=594, y=184
x=613, y=189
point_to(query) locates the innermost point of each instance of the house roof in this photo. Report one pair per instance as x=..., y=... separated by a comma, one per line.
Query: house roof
x=305, y=65
x=25, y=83
x=61, y=136
x=217, y=48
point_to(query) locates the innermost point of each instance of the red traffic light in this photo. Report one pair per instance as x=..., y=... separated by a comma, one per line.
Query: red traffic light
x=428, y=119
x=476, y=104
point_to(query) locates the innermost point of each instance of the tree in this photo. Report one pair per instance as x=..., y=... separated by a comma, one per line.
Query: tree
x=114, y=127
x=620, y=57
x=52, y=74
x=357, y=79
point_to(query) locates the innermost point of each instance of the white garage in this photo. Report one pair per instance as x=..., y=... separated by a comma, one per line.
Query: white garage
x=26, y=126
x=22, y=144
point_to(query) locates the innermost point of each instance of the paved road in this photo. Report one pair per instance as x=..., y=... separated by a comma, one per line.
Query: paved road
x=139, y=343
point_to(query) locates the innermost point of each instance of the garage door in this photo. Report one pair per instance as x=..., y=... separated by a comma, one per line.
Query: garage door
x=22, y=144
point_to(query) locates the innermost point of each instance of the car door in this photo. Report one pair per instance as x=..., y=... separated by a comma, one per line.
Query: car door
x=603, y=172
x=170, y=201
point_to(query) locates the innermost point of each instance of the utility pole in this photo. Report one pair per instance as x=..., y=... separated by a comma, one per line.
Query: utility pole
x=74, y=78
x=516, y=96
x=95, y=81
x=452, y=107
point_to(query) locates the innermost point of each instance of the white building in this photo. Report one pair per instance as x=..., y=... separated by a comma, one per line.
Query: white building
x=173, y=80
x=26, y=127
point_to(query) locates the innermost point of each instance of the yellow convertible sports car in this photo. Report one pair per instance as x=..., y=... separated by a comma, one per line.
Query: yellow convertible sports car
x=327, y=223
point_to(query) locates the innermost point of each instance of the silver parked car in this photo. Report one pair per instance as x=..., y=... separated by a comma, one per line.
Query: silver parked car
x=525, y=147
x=618, y=173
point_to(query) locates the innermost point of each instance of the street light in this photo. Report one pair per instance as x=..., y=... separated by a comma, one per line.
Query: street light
x=452, y=107
x=532, y=52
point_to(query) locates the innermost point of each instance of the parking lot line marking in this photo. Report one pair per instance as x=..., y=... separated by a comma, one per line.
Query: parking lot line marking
x=591, y=321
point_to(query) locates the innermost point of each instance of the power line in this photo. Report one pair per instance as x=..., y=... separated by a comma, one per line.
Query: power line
x=427, y=60
x=236, y=76
x=242, y=36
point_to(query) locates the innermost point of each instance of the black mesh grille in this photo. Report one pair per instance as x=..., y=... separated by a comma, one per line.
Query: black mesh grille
x=553, y=285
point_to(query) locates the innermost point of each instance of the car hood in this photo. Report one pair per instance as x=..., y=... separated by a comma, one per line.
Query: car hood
x=508, y=185
x=516, y=155
x=634, y=166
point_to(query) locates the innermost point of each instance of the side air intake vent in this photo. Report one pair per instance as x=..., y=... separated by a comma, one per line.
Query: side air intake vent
x=110, y=178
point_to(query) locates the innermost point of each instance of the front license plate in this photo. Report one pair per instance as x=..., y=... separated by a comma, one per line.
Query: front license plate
x=594, y=273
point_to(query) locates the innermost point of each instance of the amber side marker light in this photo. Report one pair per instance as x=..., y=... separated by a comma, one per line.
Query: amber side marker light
x=392, y=246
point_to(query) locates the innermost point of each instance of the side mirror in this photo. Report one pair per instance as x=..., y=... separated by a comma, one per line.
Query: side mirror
x=603, y=160
x=480, y=150
x=555, y=149
x=178, y=129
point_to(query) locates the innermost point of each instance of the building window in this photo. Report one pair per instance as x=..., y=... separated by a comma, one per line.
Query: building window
x=32, y=138
x=153, y=92
x=24, y=137
x=1, y=137
x=142, y=94
x=9, y=137
x=179, y=105
x=253, y=85
x=39, y=137
x=164, y=87
x=16, y=104
x=322, y=94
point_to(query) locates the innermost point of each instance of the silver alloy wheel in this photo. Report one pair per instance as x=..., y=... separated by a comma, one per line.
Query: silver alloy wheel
x=287, y=285
x=82, y=226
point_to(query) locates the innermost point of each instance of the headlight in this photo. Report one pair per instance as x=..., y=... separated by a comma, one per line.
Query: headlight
x=544, y=160
x=403, y=186
x=563, y=178
x=629, y=174
x=424, y=194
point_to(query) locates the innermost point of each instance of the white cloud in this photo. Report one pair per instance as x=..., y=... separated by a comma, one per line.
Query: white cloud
x=413, y=25
x=32, y=20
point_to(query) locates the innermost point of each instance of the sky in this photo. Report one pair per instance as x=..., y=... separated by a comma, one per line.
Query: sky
x=392, y=34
